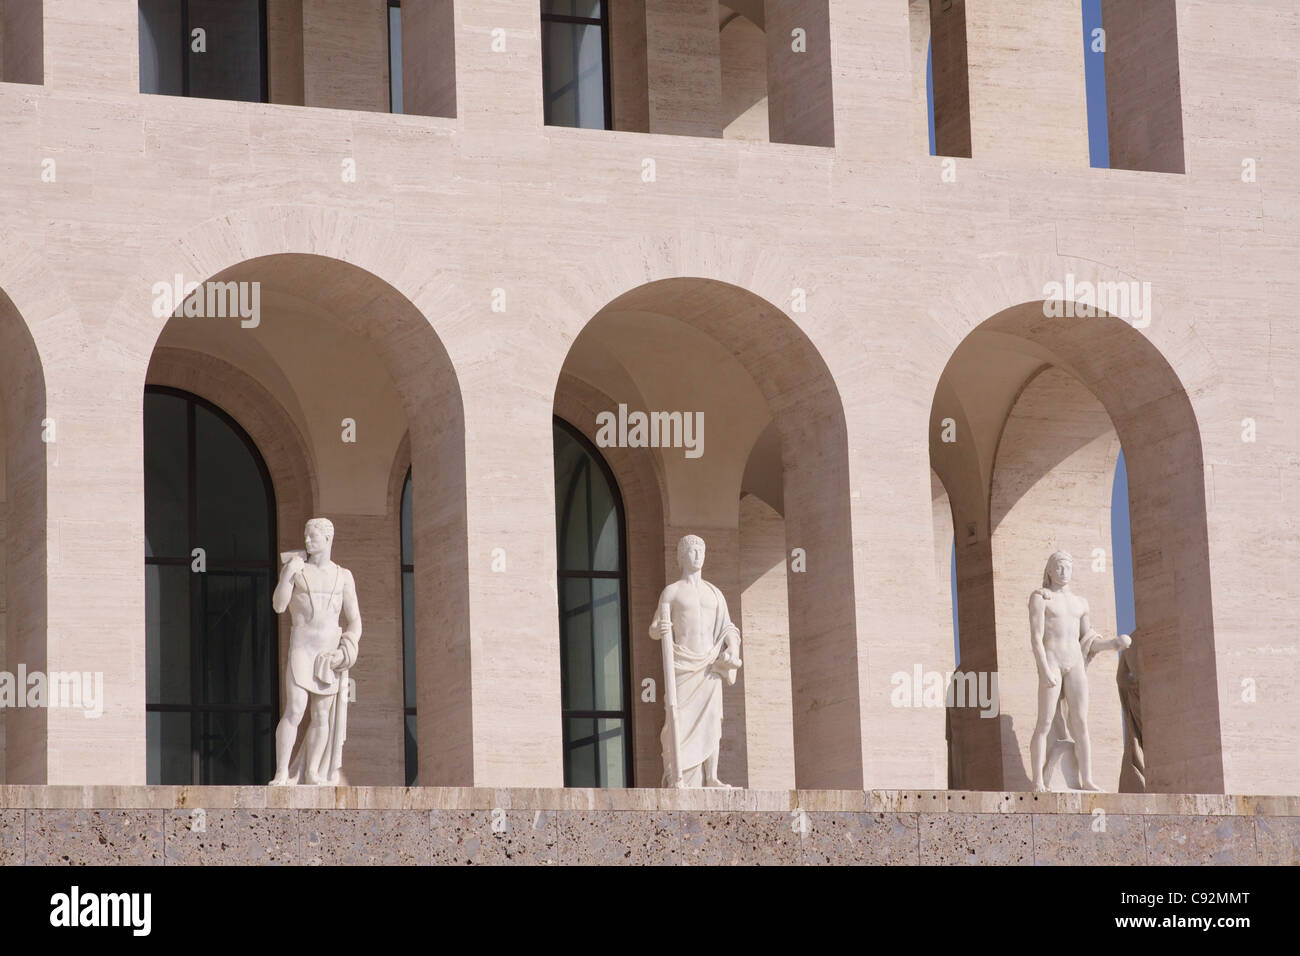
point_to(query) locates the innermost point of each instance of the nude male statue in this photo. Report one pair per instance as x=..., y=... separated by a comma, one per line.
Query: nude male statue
x=316, y=591
x=1063, y=641
x=701, y=646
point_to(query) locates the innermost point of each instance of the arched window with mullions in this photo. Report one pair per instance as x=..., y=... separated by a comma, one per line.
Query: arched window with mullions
x=595, y=677
x=212, y=690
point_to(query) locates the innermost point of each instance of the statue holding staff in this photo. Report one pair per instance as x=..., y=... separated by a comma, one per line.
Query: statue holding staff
x=316, y=592
x=701, y=647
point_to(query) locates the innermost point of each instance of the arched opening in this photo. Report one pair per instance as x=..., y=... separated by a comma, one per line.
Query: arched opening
x=941, y=73
x=329, y=367
x=749, y=421
x=210, y=567
x=1135, y=109
x=1026, y=427
x=595, y=672
x=743, y=58
x=26, y=437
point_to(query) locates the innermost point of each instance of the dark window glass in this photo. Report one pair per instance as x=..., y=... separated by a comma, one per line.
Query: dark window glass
x=169, y=756
x=575, y=64
x=209, y=48
x=212, y=694
x=236, y=746
x=166, y=474
x=594, y=657
x=408, y=634
x=167, y=620
x=161, y=59
x=227, y=478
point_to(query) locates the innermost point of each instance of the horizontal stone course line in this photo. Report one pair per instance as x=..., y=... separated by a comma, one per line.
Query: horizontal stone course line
x=279, y=836
x=25, y=797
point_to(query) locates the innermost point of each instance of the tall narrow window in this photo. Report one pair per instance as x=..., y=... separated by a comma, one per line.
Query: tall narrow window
x=595, y=680
x=1094, y=76
x=947, y=78
x=408, y=636
x=1135, y=111
x=395, y=59
x=209, y=48
x=575, y=63
x=212, y=694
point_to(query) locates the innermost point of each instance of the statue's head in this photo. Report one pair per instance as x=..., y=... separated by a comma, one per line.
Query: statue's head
x=1059, y=568
x=319, y=535
x=690, y=553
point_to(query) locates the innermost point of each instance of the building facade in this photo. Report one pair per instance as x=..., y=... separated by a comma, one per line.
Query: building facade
x=413, y=322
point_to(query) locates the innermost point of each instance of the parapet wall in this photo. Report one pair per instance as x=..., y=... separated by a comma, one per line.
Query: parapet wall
x=423, y=826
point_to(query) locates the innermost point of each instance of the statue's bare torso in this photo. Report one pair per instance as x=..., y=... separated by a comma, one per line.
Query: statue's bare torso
x=694, y=607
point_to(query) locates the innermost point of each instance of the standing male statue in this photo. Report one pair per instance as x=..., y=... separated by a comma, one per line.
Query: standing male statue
x=1063, y=641
x=316, y=591
x=700, y=647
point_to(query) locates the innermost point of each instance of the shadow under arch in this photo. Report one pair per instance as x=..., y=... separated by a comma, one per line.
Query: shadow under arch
x=669, y=341
x=421, y=372
x=1156, y=424
x=24, y=433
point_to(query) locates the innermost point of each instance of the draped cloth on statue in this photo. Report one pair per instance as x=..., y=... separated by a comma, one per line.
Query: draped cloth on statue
x=311, y=647
x=699, y=697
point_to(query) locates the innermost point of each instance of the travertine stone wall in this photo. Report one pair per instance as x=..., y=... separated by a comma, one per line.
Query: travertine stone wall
x=1027, y=94
x=763, y=619
x=951, y=77
x=284, y=52
x=800, y=101
x=21, y=41
x=367, y=826
x=345, y=54
x=445, y=211
x=629, y=70
x=428, y=58
x=1143, y=96
x=685, y=78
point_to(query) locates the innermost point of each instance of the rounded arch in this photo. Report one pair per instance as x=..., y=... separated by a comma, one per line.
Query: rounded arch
x=998, y=284
x=708, y=347
x=362, y=285
x=1150, y=407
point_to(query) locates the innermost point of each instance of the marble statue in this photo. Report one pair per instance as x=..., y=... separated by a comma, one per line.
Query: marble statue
x=1063, y=642
x=317, y=593
x=701, y=648
x=1128, y=677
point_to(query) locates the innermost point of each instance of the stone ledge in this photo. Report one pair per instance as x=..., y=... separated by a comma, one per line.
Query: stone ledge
x=314, y=836
x=30, y=797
